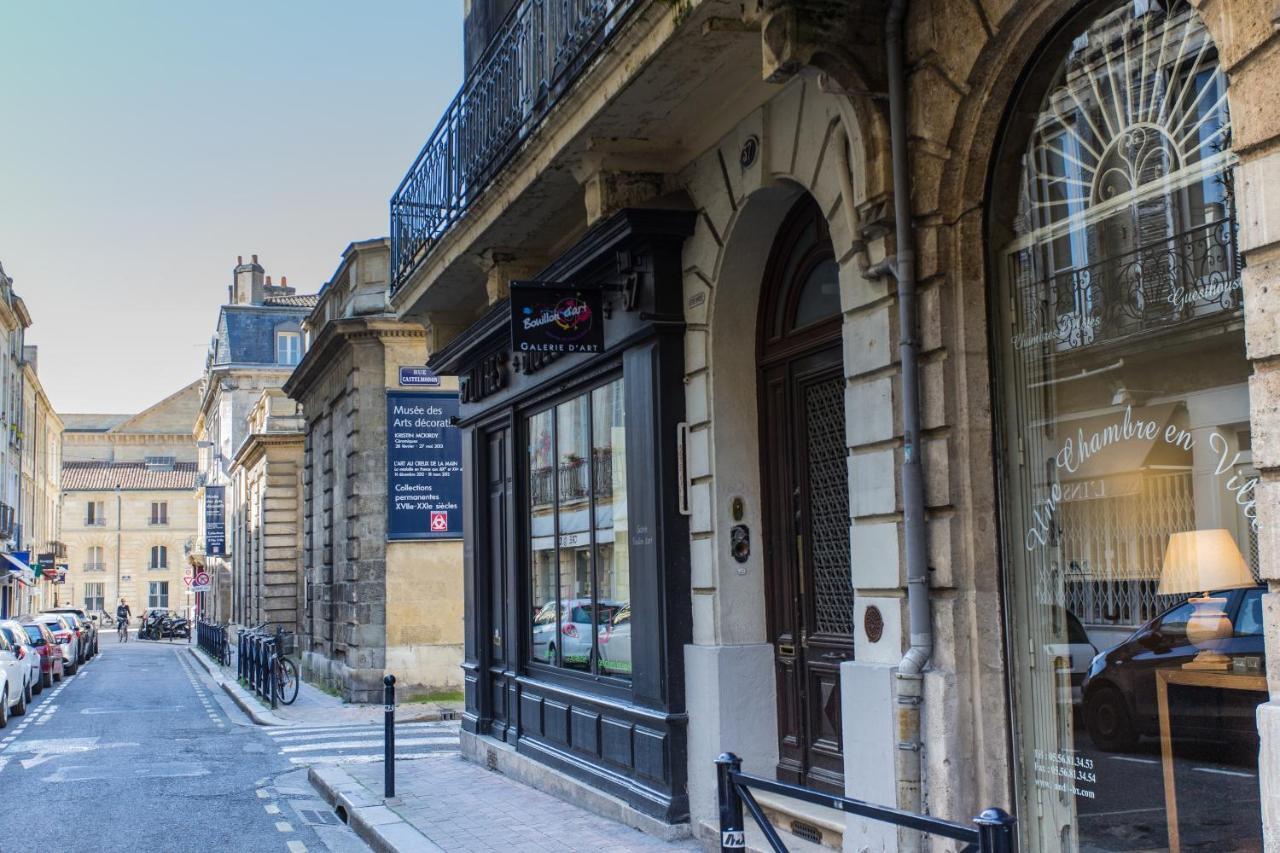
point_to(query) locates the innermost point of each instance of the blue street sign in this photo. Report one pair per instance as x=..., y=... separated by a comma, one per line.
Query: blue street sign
x=424, y=466
x=423, y=376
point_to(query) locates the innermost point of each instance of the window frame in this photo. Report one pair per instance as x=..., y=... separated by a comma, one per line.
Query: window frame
x=295, y=336
x=154, y=589
x=160, y=519
x=95, y=513
x=162, y=551
x=584, y=385
x=101, y=596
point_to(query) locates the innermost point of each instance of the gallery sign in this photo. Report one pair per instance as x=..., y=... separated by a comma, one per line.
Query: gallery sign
x=557, y=318
x=215, y=521
x=424, y=466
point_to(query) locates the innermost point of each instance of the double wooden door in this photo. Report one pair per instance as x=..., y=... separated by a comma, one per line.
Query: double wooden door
x=809, y=584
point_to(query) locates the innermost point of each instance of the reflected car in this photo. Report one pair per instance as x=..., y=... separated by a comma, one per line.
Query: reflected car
x=615, y=643
x=30, y=655
x=573, y=634
x=1076, y=654
x=1120, y=687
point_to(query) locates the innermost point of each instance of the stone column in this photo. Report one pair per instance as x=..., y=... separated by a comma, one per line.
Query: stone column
x=1250, y=55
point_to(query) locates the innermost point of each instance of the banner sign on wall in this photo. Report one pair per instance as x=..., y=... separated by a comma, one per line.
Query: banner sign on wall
x=555, y=318
x=215, y=522
x=424, y=466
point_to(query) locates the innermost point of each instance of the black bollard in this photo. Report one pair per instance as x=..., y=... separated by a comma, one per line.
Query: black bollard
x=389, y=736
x=732, y=833
x=997, y=832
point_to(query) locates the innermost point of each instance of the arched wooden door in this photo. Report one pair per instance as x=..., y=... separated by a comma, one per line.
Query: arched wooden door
x=805, y=477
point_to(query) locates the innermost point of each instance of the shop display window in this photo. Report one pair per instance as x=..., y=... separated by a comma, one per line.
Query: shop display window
x=1129, y=527
x=579, y=571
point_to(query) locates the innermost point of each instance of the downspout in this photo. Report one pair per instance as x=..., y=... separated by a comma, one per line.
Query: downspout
x=909, y=676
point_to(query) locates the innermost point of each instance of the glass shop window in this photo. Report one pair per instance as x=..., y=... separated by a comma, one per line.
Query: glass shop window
x=579, y=571
x=1128, y=485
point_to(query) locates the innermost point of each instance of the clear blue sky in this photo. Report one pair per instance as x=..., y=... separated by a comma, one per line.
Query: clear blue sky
x=144, y=145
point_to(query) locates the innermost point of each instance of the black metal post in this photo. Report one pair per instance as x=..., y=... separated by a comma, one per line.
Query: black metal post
x=389, y=736
x=997, y=832
x=732, y=833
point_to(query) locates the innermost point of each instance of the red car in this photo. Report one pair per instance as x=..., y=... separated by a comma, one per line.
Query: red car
x=51, y=663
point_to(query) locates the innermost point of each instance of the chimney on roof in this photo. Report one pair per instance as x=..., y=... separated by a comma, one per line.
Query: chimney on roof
x=248, y=287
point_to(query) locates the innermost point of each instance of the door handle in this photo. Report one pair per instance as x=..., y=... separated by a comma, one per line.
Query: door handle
x=835, y=656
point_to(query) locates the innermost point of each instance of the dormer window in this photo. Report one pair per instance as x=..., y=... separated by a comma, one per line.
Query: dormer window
x=288, y=347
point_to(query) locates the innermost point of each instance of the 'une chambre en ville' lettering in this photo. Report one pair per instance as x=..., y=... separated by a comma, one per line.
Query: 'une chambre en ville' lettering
x=1079, y=448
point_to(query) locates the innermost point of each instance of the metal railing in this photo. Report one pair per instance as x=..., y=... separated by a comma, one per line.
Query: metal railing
x=255, y=660
x=539, y=52
x=213, y=640
x=993, y=831
x=95, y=567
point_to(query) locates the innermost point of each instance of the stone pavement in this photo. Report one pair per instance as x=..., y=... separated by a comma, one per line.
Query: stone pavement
x=314, y=707
x=446, y=803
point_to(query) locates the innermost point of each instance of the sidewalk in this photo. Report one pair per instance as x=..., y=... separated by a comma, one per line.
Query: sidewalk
x=449, y=804
x=314, y=707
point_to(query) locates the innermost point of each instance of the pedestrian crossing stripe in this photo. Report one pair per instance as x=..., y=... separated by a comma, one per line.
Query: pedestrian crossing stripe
x=359, y=744
x=285, y=731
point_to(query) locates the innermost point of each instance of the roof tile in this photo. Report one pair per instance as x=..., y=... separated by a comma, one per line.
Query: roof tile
x=105, y=476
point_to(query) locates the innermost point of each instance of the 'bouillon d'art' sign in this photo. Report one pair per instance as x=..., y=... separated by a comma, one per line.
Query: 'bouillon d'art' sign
x=555, y=318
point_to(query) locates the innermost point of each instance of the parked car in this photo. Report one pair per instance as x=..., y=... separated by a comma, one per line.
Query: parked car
x=18, y=637
x=14, y=692
x=615, y=643
x=91, y=645
x=1120, y=688
x=67, y=638
x=51, y=663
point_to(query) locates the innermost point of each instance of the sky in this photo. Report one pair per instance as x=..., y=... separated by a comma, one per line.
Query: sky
x=144, y=145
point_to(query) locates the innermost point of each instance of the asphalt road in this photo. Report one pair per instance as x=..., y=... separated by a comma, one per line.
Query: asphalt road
x=140, y=751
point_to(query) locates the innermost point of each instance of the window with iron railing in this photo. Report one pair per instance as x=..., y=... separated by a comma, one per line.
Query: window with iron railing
x=95, y=514
x=537, y=54
x=159, y=513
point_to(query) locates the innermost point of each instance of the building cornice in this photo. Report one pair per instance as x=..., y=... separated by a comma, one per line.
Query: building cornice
x=338, y=334
x=256, y=444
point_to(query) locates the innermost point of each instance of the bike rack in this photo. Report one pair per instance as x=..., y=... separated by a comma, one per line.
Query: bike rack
x=213, y=640
x=256, y=655
x=993, y=831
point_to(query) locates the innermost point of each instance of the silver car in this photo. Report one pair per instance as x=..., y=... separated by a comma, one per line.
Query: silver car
x=15, y=693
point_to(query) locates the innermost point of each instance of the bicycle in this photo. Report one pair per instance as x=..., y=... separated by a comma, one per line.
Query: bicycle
x=284, y=672
x=122, y=630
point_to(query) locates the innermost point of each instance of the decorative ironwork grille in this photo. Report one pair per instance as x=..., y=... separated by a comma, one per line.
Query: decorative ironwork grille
x=1113, y=549
x=540, y=51
x=829, y=507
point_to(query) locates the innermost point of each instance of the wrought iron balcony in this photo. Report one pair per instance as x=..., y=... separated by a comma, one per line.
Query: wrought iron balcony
x=539, y=52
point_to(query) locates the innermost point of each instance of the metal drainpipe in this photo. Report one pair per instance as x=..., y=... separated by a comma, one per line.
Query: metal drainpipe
x=909, y=677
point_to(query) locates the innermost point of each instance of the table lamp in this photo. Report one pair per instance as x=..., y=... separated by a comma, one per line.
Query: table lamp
x=1198, y=561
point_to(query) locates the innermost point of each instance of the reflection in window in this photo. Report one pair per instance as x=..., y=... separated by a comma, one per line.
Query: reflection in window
x=1129, y=480
x=579, y=566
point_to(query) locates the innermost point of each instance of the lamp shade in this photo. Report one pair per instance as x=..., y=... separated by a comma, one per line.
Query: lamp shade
x=1201, y=560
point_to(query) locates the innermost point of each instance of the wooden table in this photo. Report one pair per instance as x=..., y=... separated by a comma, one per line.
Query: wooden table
x=1224, y=680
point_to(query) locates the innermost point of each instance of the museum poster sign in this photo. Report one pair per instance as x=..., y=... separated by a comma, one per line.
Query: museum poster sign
x=424, y=466
x=555, y=318
x=215, y=521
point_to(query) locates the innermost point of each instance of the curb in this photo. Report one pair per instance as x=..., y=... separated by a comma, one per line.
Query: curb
x=372, y=821
x=246, y=704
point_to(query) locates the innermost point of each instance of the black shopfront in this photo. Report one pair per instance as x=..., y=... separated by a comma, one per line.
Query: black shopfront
x=576, y=547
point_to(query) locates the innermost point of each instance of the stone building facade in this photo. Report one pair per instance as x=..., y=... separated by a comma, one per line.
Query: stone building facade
x=40, y=476
x=962, y=444
x=19, y=592
x=256, y=344
x=266, y=487
x=374, y=604
x=128, y=506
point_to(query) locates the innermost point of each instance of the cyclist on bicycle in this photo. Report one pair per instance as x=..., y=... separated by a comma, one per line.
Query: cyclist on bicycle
x=123, y=614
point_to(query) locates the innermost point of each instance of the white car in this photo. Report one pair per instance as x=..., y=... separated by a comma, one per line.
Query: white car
x=68, y=641
x=18, y=637
x=15, y=692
